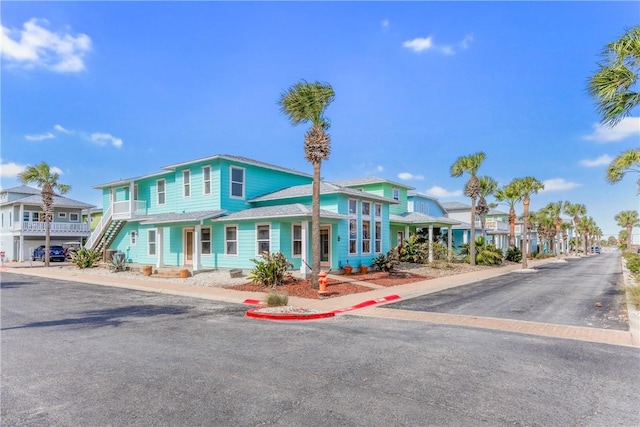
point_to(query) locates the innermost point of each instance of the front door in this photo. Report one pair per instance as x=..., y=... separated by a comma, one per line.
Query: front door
x=325, y=247
x=188, y=246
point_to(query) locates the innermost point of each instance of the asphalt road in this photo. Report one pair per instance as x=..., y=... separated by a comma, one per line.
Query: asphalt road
x=579, y=292
x=84, y=355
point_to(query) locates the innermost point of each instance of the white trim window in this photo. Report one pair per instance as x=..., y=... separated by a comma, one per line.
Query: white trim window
x=263, y=238
x=396, y=194
x=74, y=217
x=205, y=241
x=186, y=183
x=133, y=238
x=366, y=236
x=62, y=214
x=366, y=208
x=206, y=180
x=161, y=185
x=236, y=182
x=152, y=244
x=378, y=237
x=353, y=207
x=377, y=210
x=296, y=240
x=231, y=240
x=353, y=236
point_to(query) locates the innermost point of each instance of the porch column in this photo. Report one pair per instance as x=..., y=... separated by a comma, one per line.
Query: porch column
x=449, y=244
x=304, y=256
x=406, y=232
x=131, y=189
x=160, y=247
x=430, y=242
x=21, y=249
x=197, y=233
x=21, y=219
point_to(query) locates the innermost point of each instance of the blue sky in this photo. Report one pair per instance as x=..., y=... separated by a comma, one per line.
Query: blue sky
x=111, y=90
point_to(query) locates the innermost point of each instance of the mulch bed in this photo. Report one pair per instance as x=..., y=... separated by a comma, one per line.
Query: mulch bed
x=336, y=288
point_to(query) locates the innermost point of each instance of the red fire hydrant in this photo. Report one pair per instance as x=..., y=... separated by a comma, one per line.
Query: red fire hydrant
x=322, y=282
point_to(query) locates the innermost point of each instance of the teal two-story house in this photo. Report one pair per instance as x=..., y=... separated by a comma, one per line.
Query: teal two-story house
x=222, y=211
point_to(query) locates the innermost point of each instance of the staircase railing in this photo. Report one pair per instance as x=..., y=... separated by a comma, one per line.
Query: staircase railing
x=100, y=228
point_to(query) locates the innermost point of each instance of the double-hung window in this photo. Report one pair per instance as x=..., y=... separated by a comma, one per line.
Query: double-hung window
x=206, y=180
x=377, y=213
x=296, y=237
x=161, y=191
x=205, y=241
x=262, y=239
x=186, y=183
x=74, y=217
x=231, y=240
x=237, y=182
x=353, y=226
x=396, y=194
x=151, y=242
x=132, y=238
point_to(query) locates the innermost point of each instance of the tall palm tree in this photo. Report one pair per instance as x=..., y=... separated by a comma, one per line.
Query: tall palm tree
x=554, y=209
x=627, y=161
x=613, y=83
x=47, y=181
x=511, y=196
x=488, y=186
x=575, y=211
x=526, y=187
x=628, y=220
x=470, y=164
x=587, y=224
x=301, y=103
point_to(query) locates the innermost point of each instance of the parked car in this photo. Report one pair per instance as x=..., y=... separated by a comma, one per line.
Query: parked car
x=56, y=253
x=71, y=248
x=595, y=249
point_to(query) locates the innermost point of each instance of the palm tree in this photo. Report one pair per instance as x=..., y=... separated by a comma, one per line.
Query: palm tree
x=509, y=194
x=587, y=225
x=301, y=103
x=526, y=187
x=554, y=209
x=627, y=161
x=47, y=181
x=488, y=186
x=617, y=74
x=470, y=164
x=628, y=220
x=575, y=211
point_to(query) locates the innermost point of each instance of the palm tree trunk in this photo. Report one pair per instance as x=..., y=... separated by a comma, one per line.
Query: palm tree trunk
x=315, y=227
x=525, y=231
x=47, y=238
x=629, y=237
x=512, y=227
x=472, y=243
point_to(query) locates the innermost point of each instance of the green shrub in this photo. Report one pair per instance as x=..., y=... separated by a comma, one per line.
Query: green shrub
x=86, y=258
x=514, y=254
x=270, y=270
x=387, y=262
x=117, y=263
x=275, y=299
x=489, y=255
x=633, y=262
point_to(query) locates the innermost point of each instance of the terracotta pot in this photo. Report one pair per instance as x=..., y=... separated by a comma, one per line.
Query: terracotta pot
x=184, y=273
x=347, y=269
x=364, y=269
x=147, y=270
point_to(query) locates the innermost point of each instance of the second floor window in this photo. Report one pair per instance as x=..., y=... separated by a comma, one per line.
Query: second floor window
x=237, y=182
x=366, y=208
x=396, y=194
x=377, y=209
x=206, y=180
x=186, y=183
x=161, y=192
x=74, y=217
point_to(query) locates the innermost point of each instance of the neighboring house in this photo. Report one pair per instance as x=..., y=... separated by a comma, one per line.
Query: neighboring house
x=496, y=226
x=92, y=216
x=22, y=226
x=223, y=211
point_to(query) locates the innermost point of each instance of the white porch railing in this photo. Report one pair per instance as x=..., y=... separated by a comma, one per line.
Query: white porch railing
x=56, y=228
x=97, y=232
x=128, y=209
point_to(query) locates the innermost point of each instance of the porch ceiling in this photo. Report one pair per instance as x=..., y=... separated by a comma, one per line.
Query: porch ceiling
x=419, y=219
x=294, y=210
x=173, y=217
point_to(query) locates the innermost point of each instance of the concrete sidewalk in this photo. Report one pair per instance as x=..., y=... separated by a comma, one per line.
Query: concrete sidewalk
x=350, y=303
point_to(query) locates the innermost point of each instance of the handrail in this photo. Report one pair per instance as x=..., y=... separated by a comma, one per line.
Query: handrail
x=104, y=221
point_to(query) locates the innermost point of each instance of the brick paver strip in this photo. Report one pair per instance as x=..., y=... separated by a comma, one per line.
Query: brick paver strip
x=605, y=336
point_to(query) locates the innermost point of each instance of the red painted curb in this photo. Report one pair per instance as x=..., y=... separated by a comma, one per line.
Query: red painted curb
x=368, y=303
x=255, y=313
x=253, y=301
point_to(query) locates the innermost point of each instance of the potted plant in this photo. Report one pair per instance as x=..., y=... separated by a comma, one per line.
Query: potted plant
x=147, y=270
x=184, y=273
x=363, y=269
x=347, y=269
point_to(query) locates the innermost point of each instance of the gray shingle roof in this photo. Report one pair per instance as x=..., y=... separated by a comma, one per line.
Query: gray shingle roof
x=370, y=180
x=416, y=218
x=22, y=189
x=325, y=188
x=455, y=205
x=294, y=210
x=173, y=217
x=58, y=202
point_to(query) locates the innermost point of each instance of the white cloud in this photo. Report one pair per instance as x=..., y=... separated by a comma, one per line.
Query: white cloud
x=627, y=127
x=35, y=46
x=105, y=138
x=55, y=169
x=558, y=184
x=10, y=170
x=605, y=159
x=379, y=168
x=385, y=24
x=408, y=175
x=61, y=129
x=420, y=44
x=40, y=137
x=441, y=192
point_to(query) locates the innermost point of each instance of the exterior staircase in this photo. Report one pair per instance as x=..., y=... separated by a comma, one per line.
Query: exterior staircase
x=105, y=231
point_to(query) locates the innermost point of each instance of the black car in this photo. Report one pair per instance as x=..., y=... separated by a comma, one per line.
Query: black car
x=56, y=253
